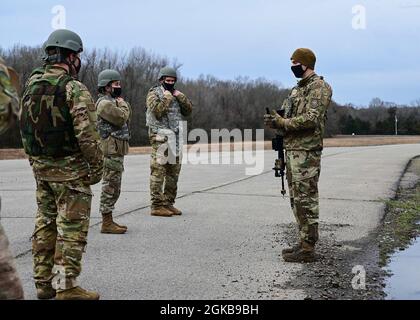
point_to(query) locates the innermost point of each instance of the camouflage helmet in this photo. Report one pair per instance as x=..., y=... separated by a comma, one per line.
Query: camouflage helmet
x=107, y=76
x=167, y=72
x=65, y=39
x=304, y=56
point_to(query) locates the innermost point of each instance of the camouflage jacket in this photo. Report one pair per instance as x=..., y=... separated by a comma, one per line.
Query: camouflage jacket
x=9, y=101
x=306, y=112
x=165, y=111
x=113, y=121
x=82, y=110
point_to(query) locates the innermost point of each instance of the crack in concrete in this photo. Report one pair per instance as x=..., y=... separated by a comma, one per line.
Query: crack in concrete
x=286, y=197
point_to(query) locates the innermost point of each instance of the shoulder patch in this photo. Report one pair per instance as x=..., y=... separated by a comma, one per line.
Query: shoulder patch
x=294, y=92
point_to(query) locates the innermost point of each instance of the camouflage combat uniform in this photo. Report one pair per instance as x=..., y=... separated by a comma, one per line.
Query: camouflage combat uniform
x=113, y=119
x=58, y=128
x=306, y=112
x=164, y=116
x=10, y=284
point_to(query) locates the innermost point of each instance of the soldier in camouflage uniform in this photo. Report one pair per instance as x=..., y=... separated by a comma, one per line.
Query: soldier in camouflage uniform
x=113, y=118
x=58, y=129
x=303, y=129
x=166, y=109
x=10, y=284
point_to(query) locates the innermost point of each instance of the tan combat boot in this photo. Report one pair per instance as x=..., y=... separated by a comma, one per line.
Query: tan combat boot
x=45, y=291
x=305, y=254
x=110, y=227
x=77, y=293
x=121, y=226
x=174, y=210
x=161, y=212
x=292, y=249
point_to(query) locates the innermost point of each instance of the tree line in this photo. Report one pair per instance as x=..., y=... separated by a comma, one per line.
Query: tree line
x=229, y=104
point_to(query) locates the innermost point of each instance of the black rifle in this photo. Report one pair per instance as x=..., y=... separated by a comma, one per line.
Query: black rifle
x=280, y=164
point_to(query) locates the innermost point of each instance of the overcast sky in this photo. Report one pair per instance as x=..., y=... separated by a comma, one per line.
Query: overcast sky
x=254, y=38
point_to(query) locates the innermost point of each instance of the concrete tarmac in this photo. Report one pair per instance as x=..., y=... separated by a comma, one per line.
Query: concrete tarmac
x=223, y=246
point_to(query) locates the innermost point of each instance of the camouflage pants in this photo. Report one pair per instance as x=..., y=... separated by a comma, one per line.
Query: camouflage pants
x=10, y=285
x=61, y=229
x=111, y=183
x=163, y=177
x=303, y=171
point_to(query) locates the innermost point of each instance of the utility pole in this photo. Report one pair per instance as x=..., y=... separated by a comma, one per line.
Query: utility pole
x=396, y=125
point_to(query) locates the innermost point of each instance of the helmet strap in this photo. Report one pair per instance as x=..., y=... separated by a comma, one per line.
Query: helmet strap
x=73, y=68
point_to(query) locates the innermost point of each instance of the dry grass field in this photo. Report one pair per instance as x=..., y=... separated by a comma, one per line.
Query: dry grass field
x=338, y=141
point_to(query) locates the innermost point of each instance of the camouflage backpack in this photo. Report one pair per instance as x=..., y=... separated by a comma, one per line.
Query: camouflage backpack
x=46, y=124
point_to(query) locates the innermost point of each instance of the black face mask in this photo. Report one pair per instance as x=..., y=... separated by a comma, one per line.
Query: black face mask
x=169, y=86
x=116, y=92
x=298, y=71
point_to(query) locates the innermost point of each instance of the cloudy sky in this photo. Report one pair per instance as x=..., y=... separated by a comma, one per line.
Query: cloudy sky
x=362, y=57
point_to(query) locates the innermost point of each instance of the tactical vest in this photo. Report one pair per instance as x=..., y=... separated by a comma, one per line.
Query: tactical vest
x=107, y=129
x=171, y=120
x=46, y=124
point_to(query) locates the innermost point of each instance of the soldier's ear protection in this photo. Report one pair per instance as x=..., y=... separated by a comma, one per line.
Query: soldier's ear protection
x=57, y=55
x=54, y=56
